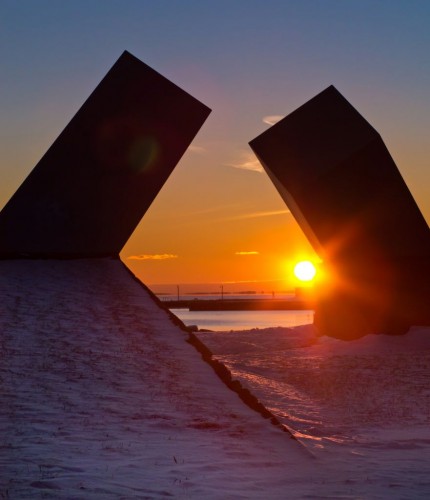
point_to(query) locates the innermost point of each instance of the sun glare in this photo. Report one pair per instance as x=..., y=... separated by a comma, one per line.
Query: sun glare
x=305, y=271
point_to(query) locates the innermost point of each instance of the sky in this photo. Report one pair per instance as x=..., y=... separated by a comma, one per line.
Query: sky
x=219, y=219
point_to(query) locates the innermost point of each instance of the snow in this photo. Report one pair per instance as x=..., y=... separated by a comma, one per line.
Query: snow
x=103, y=397
x=362, y=407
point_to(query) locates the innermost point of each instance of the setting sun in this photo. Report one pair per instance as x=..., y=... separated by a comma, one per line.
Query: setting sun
x=305, y=271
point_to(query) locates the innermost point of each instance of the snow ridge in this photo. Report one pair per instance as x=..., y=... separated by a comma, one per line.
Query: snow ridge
x=103, y=397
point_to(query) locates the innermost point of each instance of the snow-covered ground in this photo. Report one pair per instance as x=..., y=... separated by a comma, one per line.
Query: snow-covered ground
x=362, y=407
x=102, y=397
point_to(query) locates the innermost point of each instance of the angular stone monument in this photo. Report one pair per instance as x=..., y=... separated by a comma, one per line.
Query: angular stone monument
x=338, y=179
x=89, y=191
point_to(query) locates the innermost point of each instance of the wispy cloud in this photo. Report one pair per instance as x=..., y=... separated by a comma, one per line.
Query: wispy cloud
x=254, y=215
x=157, y=256
x=272, y=119
x=196, y=149
x=252, y=252
x=266, y=282
x=247, y=161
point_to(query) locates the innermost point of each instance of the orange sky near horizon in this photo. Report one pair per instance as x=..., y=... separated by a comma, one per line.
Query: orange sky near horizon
x=217, y=225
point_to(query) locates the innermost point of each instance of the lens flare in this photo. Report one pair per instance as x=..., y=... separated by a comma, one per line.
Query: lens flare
x=143, y=153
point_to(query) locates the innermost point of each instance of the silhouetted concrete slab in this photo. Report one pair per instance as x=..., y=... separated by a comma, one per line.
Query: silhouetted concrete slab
x=89, y=191
x=337, y=177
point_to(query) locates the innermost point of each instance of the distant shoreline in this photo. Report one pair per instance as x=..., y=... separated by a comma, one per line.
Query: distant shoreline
x=240, y=304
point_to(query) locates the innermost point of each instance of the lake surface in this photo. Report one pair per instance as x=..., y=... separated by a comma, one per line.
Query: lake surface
x=243, y=320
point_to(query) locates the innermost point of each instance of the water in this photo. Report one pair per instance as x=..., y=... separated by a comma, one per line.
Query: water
x=243, y=320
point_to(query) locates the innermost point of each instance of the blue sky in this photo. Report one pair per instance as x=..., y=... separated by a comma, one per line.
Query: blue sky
x=244, y=59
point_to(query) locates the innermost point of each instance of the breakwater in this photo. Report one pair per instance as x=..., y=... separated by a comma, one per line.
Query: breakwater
x=240, y=304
